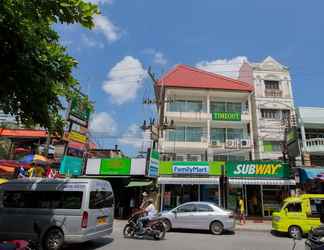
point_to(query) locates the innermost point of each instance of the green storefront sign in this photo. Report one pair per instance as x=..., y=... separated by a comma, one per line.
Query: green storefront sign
x=226, y=116
x=260, y=169
x=115, y=166
x=190, y=168
x=71, y=166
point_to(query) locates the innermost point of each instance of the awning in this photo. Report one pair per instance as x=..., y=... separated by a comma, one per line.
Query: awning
x=188, y=180
x=139, y=183
x=310, y=173
x=275, y=182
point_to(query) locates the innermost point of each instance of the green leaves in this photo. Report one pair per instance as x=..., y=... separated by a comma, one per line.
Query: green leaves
x=36, y=71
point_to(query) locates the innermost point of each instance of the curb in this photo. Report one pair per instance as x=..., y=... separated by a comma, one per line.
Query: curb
x=268, y=230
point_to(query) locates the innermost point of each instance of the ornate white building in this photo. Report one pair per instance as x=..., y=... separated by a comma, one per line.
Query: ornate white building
x=272, y=105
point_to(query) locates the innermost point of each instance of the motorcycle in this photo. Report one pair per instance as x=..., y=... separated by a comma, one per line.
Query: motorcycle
x=154, y=228
x=315, y=239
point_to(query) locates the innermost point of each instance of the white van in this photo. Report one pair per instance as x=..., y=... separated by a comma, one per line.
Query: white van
x=57, y=211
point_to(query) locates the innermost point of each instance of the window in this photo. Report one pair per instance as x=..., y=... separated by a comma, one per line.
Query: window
x=218, y=134
x=272, y=146
x=101, y=199
x=270, y=114
x=233, y=133
x=285, y=114
x=317, y=207
x=179, y=158
x=294, y=207
x=185, y=106
x=189, y=134
x=204, y=208
x=273, y=85
x=193, y=157
x=43, y=199
x=187, y=208
x=225, y=107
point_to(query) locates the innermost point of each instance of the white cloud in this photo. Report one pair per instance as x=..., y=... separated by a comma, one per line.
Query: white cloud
x=124, y=80
x=100, y=1
x=158, y=57
x=226, y=67
x=136, y=137
x=90, y=42
x=103, y=123
x=104, y=25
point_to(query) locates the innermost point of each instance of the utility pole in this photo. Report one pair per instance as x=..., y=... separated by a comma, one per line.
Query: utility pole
x=157, y=127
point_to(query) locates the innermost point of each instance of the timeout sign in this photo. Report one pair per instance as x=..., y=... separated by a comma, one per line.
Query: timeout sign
x=190, y=170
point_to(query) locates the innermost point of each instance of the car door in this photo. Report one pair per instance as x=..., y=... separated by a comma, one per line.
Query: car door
x=184, y=216
x=203, y=217
x=294, y=214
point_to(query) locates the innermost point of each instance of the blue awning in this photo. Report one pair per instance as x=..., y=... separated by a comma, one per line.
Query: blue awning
x=310, y=173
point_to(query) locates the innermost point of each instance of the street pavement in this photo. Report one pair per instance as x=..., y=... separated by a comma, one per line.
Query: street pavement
x=192, y=240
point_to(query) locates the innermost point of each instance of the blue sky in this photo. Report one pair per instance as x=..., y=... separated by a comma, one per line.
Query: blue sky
x=134, y=34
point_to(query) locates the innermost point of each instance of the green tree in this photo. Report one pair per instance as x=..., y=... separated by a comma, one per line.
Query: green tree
x=35, y=69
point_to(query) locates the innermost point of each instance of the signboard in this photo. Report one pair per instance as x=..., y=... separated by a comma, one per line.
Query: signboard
x=261, y=169
x=71, y=166
x=226, y=116
x=191, y=168
x=75, y=136
x=153, y=166
x=115, y=166
x=79, y=112
x=292, y=143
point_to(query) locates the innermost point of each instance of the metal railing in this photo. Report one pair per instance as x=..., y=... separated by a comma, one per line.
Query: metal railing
x=315, y=145
x=273, y=93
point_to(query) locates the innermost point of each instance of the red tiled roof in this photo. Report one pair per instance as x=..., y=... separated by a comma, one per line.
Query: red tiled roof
x=189, y=77
x=23, y=133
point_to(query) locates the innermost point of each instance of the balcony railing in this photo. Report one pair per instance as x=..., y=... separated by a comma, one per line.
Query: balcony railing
x=273, y=93
x=315, y=145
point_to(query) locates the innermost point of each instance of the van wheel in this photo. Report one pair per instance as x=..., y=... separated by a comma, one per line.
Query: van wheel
x=295, y=232
x=53, y=239
x=216, y=228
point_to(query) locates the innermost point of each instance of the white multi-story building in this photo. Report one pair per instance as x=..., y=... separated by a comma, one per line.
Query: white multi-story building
x=272, y=105
x=211, y=114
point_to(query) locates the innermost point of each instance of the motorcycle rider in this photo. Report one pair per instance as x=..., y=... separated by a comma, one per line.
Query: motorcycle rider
x=150, y=212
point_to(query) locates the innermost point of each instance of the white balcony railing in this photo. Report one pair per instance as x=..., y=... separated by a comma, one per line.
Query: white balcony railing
x=315, y=145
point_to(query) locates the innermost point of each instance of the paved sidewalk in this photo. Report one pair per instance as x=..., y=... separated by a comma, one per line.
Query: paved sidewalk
x=256, y=226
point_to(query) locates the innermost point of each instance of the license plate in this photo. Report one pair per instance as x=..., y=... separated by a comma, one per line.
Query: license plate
x=101, y=220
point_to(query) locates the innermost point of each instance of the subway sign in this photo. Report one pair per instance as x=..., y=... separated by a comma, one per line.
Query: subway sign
x=226, y=116
x=269, y=169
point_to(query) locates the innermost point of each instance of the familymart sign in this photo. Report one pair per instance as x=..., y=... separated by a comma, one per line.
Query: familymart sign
x=269, y=169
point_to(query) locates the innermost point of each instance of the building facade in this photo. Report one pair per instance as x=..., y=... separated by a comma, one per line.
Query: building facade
x=211, y=114
x=272, y=105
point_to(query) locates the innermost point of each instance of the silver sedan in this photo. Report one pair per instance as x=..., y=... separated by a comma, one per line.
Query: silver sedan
x=199, y=215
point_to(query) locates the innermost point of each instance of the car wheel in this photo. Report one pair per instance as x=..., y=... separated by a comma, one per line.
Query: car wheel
x=216, y=228
x=167, y=225
x=295, y=232
x=53, y=239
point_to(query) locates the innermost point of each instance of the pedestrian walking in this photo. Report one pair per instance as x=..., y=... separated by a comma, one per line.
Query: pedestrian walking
x=242, y=211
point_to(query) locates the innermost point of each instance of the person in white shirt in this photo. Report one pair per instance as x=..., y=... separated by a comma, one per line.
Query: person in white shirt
x=150, y=212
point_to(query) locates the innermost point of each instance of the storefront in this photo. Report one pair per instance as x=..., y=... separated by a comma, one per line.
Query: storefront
x=189, y=181
x=262, y=185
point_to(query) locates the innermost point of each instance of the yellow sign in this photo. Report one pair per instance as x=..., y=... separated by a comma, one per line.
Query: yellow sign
x=75, y=136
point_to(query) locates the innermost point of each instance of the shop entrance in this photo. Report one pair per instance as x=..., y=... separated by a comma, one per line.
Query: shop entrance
x=254, y=200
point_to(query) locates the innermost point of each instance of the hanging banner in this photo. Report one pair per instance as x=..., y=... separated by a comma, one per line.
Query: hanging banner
x=154, y=162
x=269, y=169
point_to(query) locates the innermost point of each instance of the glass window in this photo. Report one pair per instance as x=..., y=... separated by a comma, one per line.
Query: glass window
x=194, y=106
x=234, y=107
x=218, y=134
x=177, y=106
x=101, y=199
x=272, y=146
x=187, y=208
x=217, y=107
x=270, y=84
x=43, y=199
x=204, y=208
x=317, y=206
x=193, y=134
x=177, y=134
x=233, y=133
x=294, y=207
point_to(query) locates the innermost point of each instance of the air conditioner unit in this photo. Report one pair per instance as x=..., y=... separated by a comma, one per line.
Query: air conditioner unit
x=245, y=143
x=216, y=143
x=231, y=143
